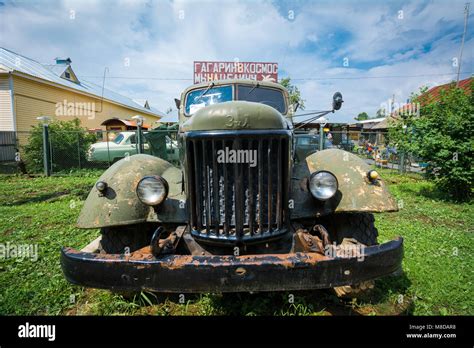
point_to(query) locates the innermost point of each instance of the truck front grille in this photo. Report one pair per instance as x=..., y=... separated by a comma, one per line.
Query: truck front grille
x=235, y=202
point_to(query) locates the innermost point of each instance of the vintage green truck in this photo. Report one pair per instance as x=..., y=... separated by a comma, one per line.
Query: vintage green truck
x=240, y=213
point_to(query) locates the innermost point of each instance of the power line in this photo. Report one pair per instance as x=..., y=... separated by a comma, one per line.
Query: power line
x=139, y=78
x=293, y=79
x=378, y=77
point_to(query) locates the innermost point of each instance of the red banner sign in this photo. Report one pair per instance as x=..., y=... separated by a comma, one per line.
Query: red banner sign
x=209, y=71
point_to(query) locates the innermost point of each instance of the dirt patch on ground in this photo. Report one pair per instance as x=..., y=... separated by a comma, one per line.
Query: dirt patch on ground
x=37, y=198
x=8, y=231
x=82, y=306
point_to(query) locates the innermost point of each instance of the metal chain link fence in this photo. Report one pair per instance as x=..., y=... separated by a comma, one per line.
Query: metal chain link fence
x=23, y=152
x=67, y=151
x=374, y=147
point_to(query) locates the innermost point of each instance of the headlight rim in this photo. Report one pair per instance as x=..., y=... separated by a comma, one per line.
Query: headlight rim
x=163, y=181
x=316, y=173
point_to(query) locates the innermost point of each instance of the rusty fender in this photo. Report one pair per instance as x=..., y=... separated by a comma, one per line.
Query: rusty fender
x=268, y=272
x=356, y=193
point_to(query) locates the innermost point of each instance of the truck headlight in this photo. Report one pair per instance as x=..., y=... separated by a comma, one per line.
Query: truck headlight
x=323, y=185
x=152, y=190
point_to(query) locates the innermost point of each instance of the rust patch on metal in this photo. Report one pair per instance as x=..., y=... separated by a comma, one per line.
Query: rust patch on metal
x=284, y=260
x=179, y=262
x=306, y=242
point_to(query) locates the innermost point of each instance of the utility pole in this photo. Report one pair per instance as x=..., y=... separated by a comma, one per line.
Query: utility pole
x=466, y=15
x=392, y=105
x=322, y=123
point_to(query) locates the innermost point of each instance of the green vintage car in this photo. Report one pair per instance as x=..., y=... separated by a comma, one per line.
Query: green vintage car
x=239, y=213
x=125, y=144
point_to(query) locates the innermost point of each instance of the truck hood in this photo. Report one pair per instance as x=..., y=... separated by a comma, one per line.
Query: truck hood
x=235, y=115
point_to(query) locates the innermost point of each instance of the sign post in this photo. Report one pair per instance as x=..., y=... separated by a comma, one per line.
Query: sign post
x=46, y=149
x=139, y=121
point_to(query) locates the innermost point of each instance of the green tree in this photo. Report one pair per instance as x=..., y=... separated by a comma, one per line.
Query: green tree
x=295, y=94
x=69, y=143
x=362, y=116
x=380, y=113
x=442, y=136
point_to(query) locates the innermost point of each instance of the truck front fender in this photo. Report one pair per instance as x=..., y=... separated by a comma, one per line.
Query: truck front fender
x=356, y=193
x=119, y=205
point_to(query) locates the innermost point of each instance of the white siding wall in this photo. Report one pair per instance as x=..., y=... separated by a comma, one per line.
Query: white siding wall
x=6, y=111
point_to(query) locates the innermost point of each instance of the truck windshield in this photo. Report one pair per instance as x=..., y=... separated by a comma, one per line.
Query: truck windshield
x=269, y=96
x=199, y=98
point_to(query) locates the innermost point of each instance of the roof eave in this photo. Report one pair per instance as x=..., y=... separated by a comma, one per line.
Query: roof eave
x=38, y=79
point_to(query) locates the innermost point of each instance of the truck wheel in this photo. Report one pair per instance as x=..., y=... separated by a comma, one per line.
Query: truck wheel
x=358, y=228
x=355, y=290
x=116, y=239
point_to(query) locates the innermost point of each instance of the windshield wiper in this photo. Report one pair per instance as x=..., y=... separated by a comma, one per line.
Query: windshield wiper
x=205, y=91
x=256, y=86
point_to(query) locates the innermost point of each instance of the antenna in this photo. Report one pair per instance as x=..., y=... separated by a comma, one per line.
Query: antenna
x=466, y=15
x=106, y=70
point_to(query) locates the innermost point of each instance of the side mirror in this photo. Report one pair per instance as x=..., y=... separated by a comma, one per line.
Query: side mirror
x=177, y=102
x=337, y=101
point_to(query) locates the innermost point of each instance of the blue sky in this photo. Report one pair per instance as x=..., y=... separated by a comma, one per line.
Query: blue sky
x=389, y=47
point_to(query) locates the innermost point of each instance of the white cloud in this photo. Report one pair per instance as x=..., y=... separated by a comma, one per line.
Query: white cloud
x=162, y=39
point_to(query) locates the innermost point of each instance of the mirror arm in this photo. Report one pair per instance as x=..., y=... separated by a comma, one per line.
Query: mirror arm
x=297, y=105
x=320, y=114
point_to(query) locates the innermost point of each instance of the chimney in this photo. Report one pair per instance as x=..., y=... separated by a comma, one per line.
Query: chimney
x=64, y=61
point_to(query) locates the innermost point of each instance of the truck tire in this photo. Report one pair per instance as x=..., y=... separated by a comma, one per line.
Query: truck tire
x=355, y=290
x=359, y=226
x=116, y=239
x=355, y=228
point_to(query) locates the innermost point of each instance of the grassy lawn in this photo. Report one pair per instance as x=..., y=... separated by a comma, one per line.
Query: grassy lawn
x=438, y=265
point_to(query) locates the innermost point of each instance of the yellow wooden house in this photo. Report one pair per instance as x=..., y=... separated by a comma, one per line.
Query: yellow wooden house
x=29, y=89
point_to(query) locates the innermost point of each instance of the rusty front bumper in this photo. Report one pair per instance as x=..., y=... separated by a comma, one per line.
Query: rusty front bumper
x=187, y=274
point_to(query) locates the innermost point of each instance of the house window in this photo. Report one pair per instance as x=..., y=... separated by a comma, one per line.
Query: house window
x=67, y=75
